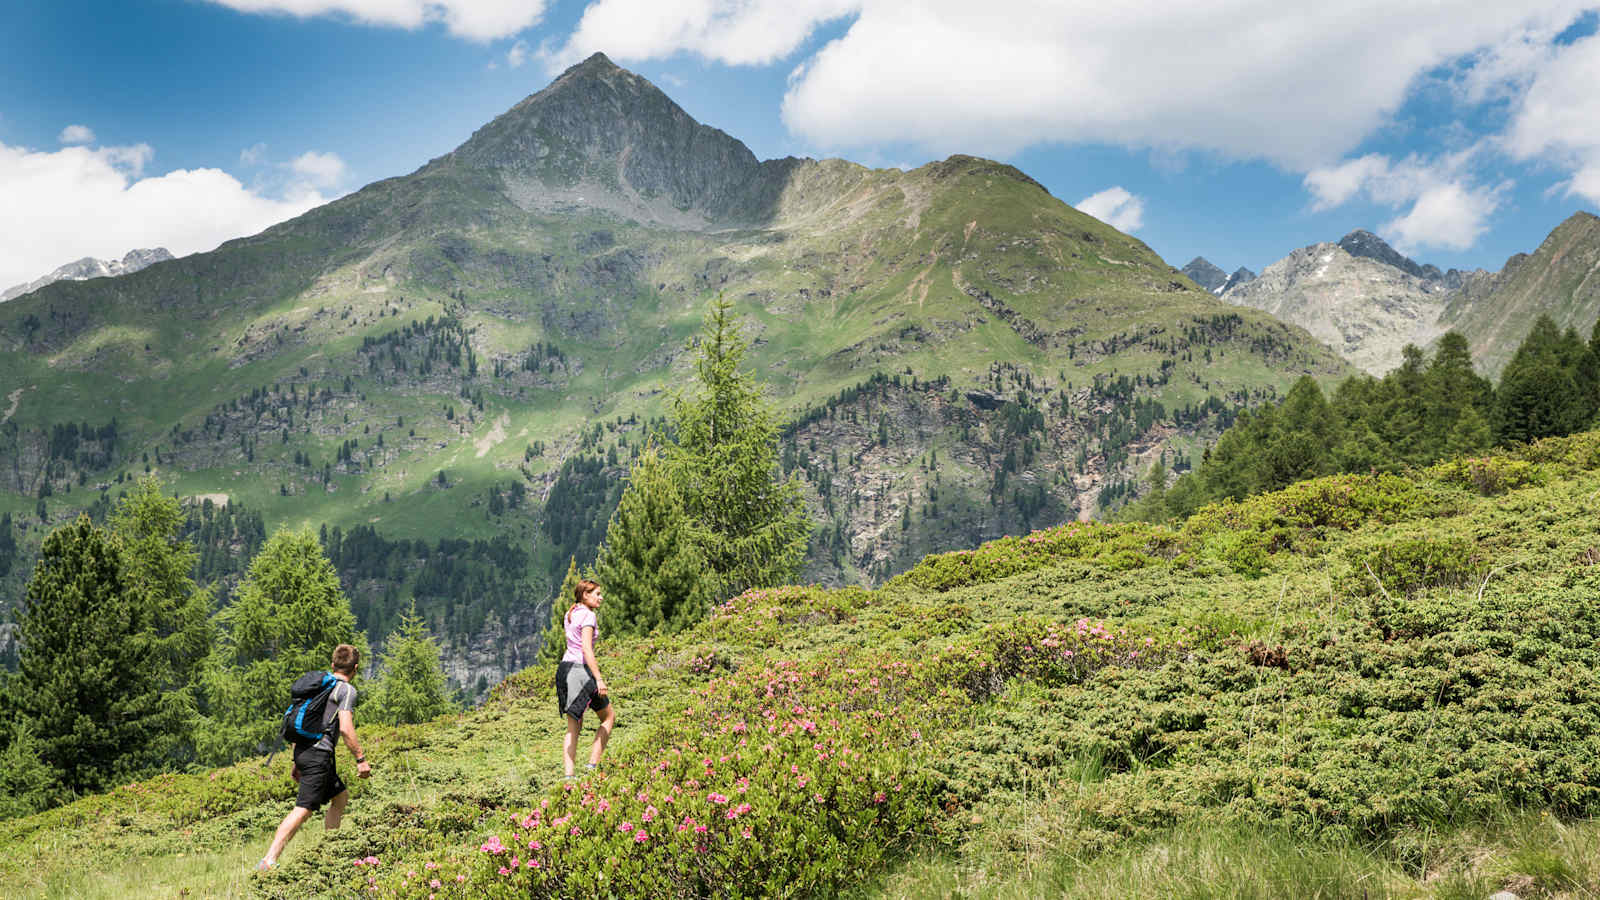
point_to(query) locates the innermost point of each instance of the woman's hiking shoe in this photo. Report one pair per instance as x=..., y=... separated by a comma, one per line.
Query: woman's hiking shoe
x=265, y=866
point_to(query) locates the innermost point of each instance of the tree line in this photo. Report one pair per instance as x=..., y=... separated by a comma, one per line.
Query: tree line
x=123, y=670
x=1425, y=410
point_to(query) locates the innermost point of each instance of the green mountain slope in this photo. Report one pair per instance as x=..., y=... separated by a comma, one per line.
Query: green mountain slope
x=1364, y=671
x=962, y=354
x=1560, y=279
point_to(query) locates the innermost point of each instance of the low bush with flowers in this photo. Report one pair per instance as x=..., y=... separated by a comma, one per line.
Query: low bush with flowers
x=792, y=778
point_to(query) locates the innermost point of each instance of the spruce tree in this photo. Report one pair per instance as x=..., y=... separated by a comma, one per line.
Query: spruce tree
x=149, y=525
x=1538, y=396
x=650, y=565
x=287, y=615
x=91, y=669
x=410, y=686
x=750, y=527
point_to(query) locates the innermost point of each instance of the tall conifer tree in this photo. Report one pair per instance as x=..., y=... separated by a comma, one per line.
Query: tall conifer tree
x=287, y=616
x=150, y=527
x=650, y=564
x=91, y=669
x=751, y=527
x=410, y=686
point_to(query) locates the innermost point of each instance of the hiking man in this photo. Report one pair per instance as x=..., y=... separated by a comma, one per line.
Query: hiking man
x=314, y=765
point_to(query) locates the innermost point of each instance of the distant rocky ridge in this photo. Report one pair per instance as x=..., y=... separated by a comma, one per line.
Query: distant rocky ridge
x=1201, y=271
x=1362, y=297
x=89, y=267
x=1367, y=300
x=1561, y=279
x=1204, y=273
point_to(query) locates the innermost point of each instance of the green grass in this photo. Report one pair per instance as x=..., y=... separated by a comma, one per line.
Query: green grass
x=1276, y=743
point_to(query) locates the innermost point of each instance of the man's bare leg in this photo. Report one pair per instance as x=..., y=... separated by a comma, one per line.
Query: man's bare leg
x=286, y=830
x=336, y=811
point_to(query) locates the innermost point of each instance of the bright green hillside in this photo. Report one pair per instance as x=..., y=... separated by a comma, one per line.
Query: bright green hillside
x=1358, y=686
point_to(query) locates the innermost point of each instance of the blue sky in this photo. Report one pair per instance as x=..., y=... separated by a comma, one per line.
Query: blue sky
x=1235, y=129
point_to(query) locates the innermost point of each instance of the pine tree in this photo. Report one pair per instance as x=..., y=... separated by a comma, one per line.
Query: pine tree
x=1538, y=396
x=149, y=524
x=91, y=670
x=287, y=615
x=410, y=686
x=554, y=644
x=751, y=528
x=650, y=565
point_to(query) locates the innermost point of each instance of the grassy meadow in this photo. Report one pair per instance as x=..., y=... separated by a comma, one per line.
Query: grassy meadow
x=1355, y=687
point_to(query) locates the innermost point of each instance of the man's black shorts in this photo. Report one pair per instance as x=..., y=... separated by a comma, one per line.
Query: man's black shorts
x=319, y=777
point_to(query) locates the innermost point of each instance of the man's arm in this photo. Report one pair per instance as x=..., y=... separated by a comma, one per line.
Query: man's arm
x=347, y=730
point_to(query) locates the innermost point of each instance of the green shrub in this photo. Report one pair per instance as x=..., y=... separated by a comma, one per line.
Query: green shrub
x=1117, y=547
x=1409, y=564
x=1488, y=475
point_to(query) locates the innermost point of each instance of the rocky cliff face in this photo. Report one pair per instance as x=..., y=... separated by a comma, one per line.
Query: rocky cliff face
x=1367, y=304
x=89, y=267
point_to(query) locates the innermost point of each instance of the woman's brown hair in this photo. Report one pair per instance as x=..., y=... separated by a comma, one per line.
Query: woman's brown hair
x=584, y=587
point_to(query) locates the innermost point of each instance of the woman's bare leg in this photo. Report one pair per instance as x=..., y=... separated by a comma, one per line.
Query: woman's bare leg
x=608, y=718
x=569, y=748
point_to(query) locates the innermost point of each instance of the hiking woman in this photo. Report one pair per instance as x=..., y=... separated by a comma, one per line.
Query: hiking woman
x=579, y=684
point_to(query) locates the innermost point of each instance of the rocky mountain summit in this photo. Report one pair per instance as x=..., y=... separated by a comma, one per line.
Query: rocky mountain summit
x=601, y=137
x=1201, y=271
x=89, y=267
x=1359, y=295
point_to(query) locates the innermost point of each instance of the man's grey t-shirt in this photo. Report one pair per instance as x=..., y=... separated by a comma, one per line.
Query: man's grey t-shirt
x=343, y=697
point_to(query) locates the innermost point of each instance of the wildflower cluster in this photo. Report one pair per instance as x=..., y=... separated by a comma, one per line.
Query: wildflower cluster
x=794, y=775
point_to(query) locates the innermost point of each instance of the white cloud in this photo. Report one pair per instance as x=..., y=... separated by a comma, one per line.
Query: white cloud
x=1447, y=207
x=479, y=20
x=1299, y=83
x=318, y=170
x=1450, y=216
x=81, y=201
x=1558, y=118
x=253, y=155
x=518, y=54
x=1115, y=207
x=738, y=32
x=76, y=134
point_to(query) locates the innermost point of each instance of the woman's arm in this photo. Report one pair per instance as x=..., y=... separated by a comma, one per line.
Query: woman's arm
x=588, y=659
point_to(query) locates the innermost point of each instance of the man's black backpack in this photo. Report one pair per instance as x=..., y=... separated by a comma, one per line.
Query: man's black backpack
x=308, y=707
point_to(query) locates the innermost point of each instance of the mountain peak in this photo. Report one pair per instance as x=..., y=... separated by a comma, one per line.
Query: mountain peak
x=1202, y=272
x=1365, y=244
x=602, y=137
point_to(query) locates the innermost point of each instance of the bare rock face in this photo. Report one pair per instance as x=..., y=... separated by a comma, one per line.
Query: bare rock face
x=89, y=267
x=1367, y=307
